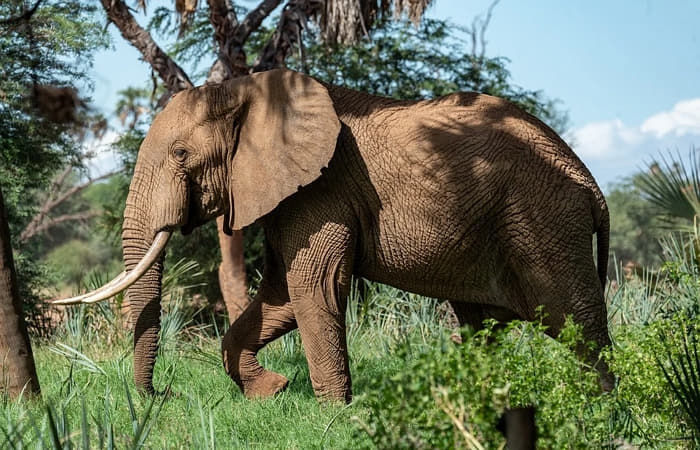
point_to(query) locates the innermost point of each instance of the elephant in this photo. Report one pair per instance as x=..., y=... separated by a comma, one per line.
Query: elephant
x=465, y=198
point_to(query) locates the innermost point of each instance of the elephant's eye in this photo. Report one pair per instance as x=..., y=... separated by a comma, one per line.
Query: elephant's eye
x=180, y=154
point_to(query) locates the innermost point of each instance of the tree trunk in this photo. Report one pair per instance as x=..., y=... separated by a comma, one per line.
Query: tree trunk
x=232, y=274
x=17, y=370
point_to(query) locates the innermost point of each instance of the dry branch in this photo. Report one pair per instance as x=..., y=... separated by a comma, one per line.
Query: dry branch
x=172, y=74
x=477, y=32
x=74, y=217
x=39, y=222
x=294, y=18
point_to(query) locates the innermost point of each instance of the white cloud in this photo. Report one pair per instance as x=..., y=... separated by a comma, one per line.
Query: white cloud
x=683, y=119
x=612, y=148
x=599, y=140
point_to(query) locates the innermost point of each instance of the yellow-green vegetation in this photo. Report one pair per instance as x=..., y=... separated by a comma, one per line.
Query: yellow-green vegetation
x=414, y=387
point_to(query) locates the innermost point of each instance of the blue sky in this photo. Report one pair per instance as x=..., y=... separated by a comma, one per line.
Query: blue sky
x=627, y=71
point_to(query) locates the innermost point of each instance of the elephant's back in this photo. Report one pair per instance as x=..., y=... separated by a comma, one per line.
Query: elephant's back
x=459, y=183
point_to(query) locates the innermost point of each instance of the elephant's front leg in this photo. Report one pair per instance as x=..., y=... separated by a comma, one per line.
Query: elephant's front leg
x=319, y=281
x=268, y=317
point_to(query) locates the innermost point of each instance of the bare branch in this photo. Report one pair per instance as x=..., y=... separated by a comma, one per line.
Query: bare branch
x=173, y=76
x=477, y=32
x=37, y=224
x=253, y=20
x=81, y=217
x=231, y=36
x=485, y=25
x=81, y=187
x=294, y=17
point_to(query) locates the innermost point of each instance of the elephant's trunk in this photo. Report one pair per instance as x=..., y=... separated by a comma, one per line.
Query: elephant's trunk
x=144, y=309
x=144, y=295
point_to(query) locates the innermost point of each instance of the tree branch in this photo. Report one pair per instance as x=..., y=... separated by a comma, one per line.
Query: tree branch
x=231, y=36
x=224, y=21
x=80, y=187
x=294, y=17
x=173, y=76
x=477, y=32
x=37, y=224
x=81, y=216
x=253, y=20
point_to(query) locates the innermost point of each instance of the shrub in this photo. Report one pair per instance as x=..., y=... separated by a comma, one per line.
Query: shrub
x=451, y=396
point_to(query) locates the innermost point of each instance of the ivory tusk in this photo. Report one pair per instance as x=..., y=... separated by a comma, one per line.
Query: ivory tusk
x=125, y=279
x=78, y=298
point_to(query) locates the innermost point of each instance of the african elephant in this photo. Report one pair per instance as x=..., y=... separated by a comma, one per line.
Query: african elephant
x=465, y=198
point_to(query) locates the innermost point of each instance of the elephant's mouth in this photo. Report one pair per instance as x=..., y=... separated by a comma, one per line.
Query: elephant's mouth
x=193, y=218
x=191, y=221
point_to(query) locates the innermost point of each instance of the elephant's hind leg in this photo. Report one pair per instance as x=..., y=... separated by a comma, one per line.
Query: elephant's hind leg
x=474, y=314
x=267, y=318
x=570, y=286
x=319, y=281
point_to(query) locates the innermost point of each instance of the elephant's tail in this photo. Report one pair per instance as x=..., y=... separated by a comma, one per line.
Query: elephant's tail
x=603, y=246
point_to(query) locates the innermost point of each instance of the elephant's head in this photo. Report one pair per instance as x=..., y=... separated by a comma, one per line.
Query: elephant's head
x=236, y=148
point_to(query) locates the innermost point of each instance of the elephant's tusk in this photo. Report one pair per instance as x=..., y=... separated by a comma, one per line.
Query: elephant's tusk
x=125, y=279
x=78, y=299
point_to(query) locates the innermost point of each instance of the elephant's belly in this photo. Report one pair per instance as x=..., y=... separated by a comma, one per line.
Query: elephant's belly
x=454, y=266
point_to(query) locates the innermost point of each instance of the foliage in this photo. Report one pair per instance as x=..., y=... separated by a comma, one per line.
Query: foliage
x=410, y=384
x=450, y=395
x=672, y=185
x=55, y=48
x=632, y=234
x=683, y=373
x=403, y=61
x=69, y=258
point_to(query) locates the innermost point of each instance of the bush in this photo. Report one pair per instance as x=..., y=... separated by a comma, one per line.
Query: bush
x=451, y=396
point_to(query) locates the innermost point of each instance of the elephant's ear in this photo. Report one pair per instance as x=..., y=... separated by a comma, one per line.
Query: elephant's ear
x=288, y=133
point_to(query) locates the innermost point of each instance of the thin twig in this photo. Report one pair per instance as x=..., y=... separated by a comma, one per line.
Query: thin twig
x=81, y=216
x=37, y=224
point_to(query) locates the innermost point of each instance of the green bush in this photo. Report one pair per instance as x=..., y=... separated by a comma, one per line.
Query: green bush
x=451, y=396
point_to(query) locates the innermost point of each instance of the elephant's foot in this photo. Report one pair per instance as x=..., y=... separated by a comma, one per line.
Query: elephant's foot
x=343, y=396
x=265, y=385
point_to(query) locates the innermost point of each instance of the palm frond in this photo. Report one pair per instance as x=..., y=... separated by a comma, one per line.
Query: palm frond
x=346, y=21
x=672, y=185
x=682, y=372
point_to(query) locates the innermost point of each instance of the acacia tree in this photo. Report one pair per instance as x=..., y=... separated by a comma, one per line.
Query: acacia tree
x=339, y=21
x=18, y=369
x=45, y=49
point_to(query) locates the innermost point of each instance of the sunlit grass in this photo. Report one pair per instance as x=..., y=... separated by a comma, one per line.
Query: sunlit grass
x=89, y=399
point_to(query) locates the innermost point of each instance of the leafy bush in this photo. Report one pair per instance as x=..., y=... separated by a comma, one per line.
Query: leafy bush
x=451, y=396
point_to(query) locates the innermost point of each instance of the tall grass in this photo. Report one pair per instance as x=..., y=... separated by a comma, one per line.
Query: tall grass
x=89, y=400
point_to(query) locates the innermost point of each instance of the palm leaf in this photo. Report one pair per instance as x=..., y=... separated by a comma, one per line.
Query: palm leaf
x=682, y=372
x=672, y=185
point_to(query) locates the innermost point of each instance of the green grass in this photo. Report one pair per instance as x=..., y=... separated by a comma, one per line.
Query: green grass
x=85, y=374
x=206, y=408
x=409, y=379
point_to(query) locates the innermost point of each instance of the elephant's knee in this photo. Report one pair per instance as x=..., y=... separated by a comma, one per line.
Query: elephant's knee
x=238, y=356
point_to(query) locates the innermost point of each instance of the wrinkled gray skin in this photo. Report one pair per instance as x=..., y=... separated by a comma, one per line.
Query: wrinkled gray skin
x=465, y=198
